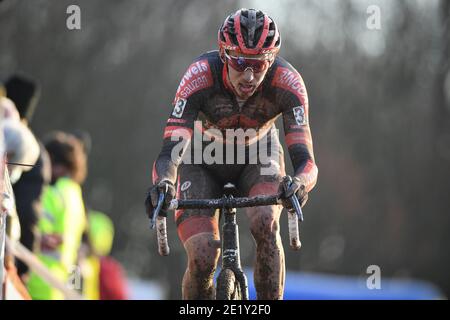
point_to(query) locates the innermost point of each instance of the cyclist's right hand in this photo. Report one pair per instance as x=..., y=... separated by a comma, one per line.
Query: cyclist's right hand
x=151, y=200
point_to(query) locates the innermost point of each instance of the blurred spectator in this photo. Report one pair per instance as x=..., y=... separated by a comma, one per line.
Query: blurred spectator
x=64, y=214
x=103, y=276
x=20, y=147
x=12, y=286
x=28, y=190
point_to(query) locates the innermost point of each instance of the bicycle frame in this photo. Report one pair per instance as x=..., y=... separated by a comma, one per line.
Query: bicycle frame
x=231, y=258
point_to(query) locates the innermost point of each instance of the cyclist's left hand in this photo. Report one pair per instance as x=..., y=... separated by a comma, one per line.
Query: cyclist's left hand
x=151, y=200
x=298, y=188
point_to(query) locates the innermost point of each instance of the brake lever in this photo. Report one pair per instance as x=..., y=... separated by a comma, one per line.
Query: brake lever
x=158, y=208
x=297, y=207
x=293, y=199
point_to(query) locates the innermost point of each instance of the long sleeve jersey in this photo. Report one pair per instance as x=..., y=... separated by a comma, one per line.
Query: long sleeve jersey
x=205, y=95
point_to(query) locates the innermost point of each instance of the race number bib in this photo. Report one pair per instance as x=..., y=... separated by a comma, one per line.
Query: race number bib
x=300, y=116
x=178, y=110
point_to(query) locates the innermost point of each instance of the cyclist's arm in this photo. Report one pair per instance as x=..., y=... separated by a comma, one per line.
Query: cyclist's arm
x=296, y=126
x=180, y=125
x=177, y=135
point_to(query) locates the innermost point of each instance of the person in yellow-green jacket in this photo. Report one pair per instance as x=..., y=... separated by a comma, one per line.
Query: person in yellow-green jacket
x=64, y=217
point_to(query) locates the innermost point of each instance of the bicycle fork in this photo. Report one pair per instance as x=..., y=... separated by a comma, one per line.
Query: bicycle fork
x=231, y=258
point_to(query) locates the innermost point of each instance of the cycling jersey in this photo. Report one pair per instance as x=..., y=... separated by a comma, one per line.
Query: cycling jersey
x=205, y=94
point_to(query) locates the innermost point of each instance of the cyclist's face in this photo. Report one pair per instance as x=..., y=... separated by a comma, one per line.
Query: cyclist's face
x=246, y=80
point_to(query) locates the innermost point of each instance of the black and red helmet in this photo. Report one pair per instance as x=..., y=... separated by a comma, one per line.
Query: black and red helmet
x=249, y=31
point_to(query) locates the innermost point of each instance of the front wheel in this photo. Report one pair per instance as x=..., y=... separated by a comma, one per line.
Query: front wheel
x=228, y=288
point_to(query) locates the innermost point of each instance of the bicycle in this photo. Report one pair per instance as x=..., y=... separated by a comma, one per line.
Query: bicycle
x=231, y=283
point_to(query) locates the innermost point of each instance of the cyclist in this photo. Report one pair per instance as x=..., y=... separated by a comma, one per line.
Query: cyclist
x=244, y=85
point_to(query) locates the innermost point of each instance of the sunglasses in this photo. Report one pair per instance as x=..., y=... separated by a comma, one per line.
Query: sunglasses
x=241, y=64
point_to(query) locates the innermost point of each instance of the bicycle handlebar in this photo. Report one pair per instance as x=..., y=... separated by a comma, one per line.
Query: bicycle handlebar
x=225, y=202
x=294, y=215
